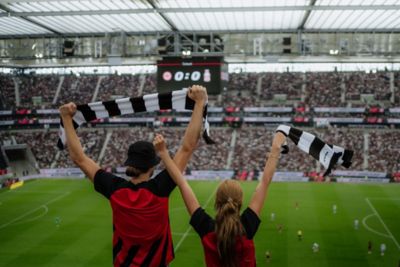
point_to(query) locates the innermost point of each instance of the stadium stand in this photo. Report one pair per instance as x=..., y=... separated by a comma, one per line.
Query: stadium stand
x=7, y=89
x=78, y=89
x=92, y=141
x=384, y=151
x=39, y=141
x=322, y=89
x=42, y=86
x=115, y=85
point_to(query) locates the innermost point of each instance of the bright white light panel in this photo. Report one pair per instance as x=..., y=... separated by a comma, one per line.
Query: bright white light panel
x=104, y=23
x=84, y=5
x=236, y=20
x=18, y=26
x=229, y=3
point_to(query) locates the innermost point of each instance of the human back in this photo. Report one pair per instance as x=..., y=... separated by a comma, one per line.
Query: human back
x=228, y=239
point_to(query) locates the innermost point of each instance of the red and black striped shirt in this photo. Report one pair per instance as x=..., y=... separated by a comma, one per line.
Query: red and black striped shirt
x=142, y=232
x=244, y=249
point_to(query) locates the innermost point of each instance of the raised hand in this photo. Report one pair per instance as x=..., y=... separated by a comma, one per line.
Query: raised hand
x=159, y=144
x=68, y=110
x=198, y=93
x=279, y=140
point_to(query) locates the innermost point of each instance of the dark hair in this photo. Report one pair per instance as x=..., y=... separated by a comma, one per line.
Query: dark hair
x=134, y=171
x=228, y=226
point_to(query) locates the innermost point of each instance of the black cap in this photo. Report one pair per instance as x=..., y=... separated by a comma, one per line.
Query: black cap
x=142, y=155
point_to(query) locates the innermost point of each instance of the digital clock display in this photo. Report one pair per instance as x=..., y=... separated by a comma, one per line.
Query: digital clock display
x=175, y=74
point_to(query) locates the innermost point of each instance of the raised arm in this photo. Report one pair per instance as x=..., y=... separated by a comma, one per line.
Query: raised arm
x=193, y=130
x=258, y=198
x=191, y=202
x=86, y=164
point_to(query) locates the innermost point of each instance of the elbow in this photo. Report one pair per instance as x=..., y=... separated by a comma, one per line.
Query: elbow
x=190, y=145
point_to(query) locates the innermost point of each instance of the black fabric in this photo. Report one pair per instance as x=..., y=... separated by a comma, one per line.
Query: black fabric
x=112, y=108
x=87, y=112
x=60, y=145
x=138, y=104
x=164, y=253
x=165, y=100
x=295, y=134
x=316, y=147
x=106, y=183
x=250, y=222
x=347, y=156
x=202, y=222
x=152, y=252
x=75, y=124
x=161, y=185
x=117, y=248
x=189, y=103
x=131, y=254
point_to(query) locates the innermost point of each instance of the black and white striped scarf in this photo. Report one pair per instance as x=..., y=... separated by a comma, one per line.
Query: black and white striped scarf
x=176, y=100
x=328, y=155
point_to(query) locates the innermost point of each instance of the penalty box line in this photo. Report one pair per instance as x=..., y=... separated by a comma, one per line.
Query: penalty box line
x=34, y=210
x=383, y=223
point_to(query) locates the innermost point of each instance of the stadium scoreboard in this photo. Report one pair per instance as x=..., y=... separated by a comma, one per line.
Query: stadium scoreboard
x=178, y=73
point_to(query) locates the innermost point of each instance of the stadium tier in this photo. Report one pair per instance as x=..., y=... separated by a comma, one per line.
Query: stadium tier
x=236, y=149
x=313, y=89
x=333, y=105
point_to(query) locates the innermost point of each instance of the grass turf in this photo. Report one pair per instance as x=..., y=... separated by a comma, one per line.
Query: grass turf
x=66, y=223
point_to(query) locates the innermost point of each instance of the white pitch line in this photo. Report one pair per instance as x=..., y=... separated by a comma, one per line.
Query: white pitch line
x=176, y=233
x=190, y=227
x=370, y=229
x=46, y=210
x=31, y=211
x=385, y=198
x=383, y=223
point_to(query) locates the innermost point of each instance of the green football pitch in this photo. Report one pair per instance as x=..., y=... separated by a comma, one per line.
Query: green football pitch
x=66, y=223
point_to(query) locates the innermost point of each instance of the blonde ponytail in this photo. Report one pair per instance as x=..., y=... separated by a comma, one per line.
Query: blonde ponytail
x=228, y=227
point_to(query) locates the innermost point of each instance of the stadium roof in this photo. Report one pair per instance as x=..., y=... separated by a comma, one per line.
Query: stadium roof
x=58, y=17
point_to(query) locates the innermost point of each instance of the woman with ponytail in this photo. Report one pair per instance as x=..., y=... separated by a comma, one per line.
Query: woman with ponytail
x=228, y=239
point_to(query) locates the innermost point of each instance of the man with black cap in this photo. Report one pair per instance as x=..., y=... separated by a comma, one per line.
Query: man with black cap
x=142, y=233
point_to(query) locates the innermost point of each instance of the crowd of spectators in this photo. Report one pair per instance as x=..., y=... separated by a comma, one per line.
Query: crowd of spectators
x=42, y=144
x=78, y=89
x=43, y=86
x=92, y=142
x=251, y=147
x=289, y=83
x=118, y=86
x=116, y=151
x=7, y=92
x=213, y=157
x=150, y=84
x=358, y=83
x=249, y=153
x=384, y=151
x=320, y=88
x=323, y=89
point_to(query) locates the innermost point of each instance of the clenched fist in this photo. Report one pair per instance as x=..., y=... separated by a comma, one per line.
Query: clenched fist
x=198, y=93
x=68, y=110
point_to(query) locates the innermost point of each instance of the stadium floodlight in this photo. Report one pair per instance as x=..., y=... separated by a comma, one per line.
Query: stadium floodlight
x=333, y=52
